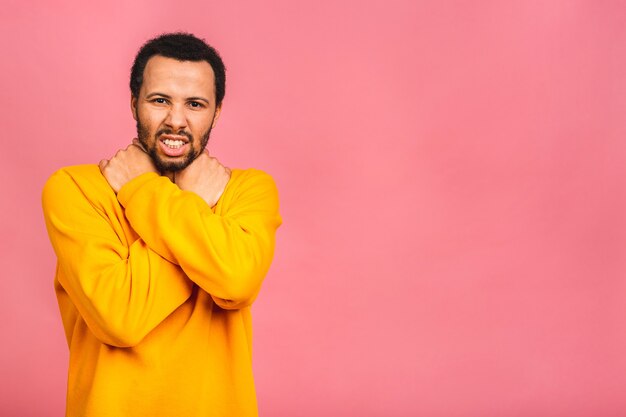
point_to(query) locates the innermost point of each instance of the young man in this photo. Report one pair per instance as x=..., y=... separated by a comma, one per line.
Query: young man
x=161, y=251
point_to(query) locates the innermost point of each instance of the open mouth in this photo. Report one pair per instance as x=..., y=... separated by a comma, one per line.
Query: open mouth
x=173, y=145
x=174, y=141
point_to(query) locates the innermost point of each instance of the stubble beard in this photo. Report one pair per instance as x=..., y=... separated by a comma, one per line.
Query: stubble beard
x=162, y=165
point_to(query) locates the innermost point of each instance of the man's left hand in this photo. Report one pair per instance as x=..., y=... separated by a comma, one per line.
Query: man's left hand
x=125, y=165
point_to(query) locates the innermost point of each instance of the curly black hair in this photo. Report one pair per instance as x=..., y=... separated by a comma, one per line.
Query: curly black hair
x=183, y=47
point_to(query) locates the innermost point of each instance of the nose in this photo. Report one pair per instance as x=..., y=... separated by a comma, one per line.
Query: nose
x=176, y=118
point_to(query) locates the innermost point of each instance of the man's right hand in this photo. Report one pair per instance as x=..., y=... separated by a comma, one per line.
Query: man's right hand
x=205, y=176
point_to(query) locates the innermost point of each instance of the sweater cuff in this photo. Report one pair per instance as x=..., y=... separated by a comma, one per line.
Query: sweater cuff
x=126, y=192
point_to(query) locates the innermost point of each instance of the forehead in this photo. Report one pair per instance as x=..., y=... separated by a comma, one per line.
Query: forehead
x=173, y=77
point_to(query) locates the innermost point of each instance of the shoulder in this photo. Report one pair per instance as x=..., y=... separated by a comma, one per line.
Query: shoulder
x=78, y=174
x=250, y=174
x=248, y=179
x=78, y=181
x=251, y=188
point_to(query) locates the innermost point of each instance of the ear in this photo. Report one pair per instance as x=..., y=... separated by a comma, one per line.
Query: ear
x=218, y=110
x=133, y=106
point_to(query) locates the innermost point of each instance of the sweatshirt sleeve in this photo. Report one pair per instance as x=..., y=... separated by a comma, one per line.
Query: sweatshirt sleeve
x=121, y=290
x=226, y=254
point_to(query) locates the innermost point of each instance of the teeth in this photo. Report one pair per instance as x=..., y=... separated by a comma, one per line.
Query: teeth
x=173, y=143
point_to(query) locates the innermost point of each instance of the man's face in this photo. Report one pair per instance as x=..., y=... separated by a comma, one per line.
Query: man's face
x=175, y=111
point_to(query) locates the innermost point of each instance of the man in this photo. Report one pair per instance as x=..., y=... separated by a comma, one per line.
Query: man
x=161, y=251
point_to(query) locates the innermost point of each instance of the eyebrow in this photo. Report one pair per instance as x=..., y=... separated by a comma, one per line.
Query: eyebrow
x=156, y=93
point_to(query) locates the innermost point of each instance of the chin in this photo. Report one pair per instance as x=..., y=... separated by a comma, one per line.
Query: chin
x=171, y=164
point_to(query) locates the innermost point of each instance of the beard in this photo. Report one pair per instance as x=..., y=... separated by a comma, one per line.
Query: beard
x=163, y=164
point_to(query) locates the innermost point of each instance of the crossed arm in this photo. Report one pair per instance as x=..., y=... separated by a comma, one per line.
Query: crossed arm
x=123, y=290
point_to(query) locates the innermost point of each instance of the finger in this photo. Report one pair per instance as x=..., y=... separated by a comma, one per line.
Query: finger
x=139, y=145
x=103, y=163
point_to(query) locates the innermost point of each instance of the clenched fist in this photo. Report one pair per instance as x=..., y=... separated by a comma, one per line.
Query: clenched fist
x=125, y=165
x=205, y=176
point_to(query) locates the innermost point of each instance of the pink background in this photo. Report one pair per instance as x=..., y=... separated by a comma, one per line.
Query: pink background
x=453, y=187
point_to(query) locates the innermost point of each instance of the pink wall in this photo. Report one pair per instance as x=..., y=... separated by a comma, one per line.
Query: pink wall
x=453, y=179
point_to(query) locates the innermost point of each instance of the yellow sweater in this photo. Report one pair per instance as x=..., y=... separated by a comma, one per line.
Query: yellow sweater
x=155, y=289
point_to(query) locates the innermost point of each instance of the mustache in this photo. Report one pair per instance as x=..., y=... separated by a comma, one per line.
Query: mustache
x=171, y=132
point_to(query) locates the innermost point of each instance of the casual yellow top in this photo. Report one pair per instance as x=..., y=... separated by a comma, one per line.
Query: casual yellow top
x=155, y=287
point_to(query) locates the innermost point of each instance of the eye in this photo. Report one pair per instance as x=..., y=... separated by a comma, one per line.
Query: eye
x=196, y=104
x=159, y=100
